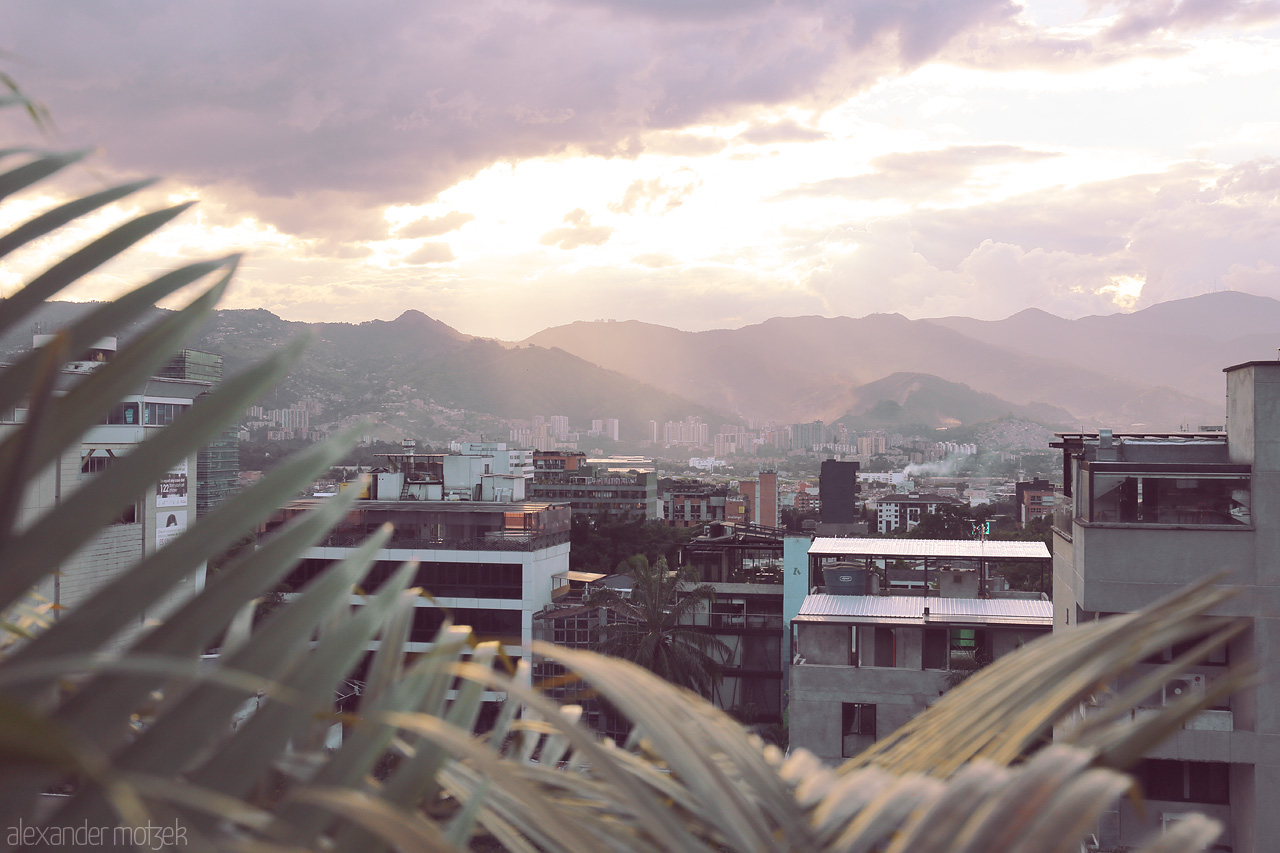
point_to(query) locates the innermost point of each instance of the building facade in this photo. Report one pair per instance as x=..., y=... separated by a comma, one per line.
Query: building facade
x=1033, y=500
x=568, y=476
x=486, y=554
x=864, y=665
x=161, y=513
x=1143, y=515
x=896, y=513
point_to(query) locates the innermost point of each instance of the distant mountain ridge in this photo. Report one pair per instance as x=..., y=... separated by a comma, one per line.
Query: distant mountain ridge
x=408, y=369
x=1159, y=368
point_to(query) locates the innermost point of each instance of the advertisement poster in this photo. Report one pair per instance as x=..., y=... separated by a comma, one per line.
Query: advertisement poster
x=172, y=488
x=170, y=525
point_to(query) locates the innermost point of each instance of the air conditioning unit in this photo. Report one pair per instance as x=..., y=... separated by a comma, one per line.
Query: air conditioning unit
x=1175, y=689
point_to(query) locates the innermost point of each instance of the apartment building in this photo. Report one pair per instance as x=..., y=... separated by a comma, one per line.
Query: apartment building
x=1033, y=500
x=159, y=514
x=590, y=490
x=903, y=512
x=487, y=555
x=1142, y=515
x=866, y=664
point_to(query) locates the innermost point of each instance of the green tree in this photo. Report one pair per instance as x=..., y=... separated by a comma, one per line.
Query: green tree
x=652, y=627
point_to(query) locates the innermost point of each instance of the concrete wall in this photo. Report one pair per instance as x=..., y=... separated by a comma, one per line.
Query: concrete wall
x=818, y=692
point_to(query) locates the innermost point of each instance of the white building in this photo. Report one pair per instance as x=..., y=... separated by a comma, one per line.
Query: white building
x=161, y=513
x=486, y=555
x=904, y=512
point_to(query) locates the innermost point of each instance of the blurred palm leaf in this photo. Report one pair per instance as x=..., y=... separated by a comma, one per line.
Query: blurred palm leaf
x=235, y=751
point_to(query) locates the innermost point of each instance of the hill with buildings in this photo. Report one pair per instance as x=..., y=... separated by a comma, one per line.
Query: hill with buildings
x=414, y=372
x=1157, y=368
x=918, y=398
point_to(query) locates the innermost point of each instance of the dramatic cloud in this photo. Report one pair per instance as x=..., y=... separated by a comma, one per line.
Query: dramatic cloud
x=720, y=161
x=397, y=100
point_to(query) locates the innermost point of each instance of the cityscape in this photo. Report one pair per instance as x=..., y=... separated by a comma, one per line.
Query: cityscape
x=629, y=426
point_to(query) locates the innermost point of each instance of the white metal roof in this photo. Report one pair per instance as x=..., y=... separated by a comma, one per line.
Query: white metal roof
x=904, y=609
x=956, y=548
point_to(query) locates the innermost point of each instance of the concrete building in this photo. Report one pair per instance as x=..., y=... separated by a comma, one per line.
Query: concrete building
x=568, y=476
x=486, y=554
x=1033, y=500
x=745, y=565
x=903, y=512
x=1142, y=515
x=161, y=513
x=695, y=504
x=866, y=664
x=760, y=498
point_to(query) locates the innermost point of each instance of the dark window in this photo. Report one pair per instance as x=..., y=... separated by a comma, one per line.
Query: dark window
x=161, y=414
x=487, y=623
x=95, y=461
x=885, y=652
x=935, y=648
x=1186, y=781
x=125, y=414
x=857, y=720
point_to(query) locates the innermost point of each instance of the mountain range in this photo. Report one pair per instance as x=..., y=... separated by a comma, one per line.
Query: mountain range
x=1156, y=369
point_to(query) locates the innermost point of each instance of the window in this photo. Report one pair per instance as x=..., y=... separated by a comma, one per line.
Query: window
x=1186, y=781
x=1167, y=498
x=95, y=461
x=857, y=720
x=955, y=648
x=124, y=414
x=161, y=414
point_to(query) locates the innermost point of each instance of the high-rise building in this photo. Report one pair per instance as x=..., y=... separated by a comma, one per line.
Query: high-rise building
x=768, y=514
x=1143, y=515
x=838, y=487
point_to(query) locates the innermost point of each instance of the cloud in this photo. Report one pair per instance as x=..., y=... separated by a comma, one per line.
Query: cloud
x=1192, y=229
x=289, y=101
x=1139, y=19
x=683, y=144
x=431, y=253
x=917, y=174
x=579, y=232
x=781, y=131
x=429, y=227
x=654, y=195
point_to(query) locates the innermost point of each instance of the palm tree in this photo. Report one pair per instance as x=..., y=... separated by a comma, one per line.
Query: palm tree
x=653, y=627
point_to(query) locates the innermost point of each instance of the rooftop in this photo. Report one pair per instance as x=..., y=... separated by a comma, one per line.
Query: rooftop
x=954, y=548
x=910, y=610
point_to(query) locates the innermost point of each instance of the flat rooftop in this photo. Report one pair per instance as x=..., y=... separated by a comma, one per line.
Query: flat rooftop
x=910, y=610
x=442, y=506
x=960, y=549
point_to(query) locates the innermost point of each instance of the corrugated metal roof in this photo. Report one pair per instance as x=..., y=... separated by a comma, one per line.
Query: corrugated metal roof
x=956, y=548
x=903, y=609
x=586, y=577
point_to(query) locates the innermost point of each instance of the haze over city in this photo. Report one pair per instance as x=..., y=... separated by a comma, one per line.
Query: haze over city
x=504, y=168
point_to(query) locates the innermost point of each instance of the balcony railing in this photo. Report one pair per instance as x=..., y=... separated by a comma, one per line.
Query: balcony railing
x=501, y=542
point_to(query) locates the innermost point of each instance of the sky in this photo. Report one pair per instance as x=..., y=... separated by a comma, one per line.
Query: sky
x=509, y=166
